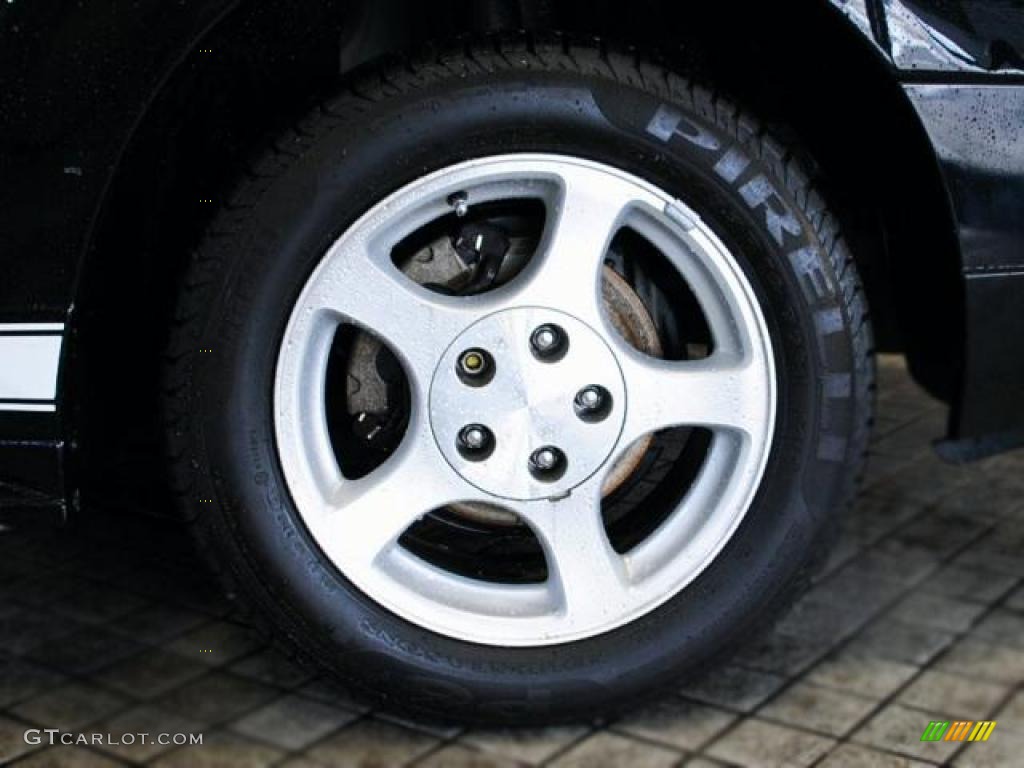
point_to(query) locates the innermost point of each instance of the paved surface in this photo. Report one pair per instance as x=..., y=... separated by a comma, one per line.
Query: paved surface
x=919, y=617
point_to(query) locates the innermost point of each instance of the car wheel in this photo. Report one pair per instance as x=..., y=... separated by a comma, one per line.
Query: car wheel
x=516, y=383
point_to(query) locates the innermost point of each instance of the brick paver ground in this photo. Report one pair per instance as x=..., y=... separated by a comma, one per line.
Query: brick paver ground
x=918, y=616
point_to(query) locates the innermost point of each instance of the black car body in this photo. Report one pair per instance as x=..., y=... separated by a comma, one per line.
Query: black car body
x=121, y=121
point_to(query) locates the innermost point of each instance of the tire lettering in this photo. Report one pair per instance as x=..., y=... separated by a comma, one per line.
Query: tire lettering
x=732, y=164
x=759, y=193
x=815, y=283
x=667, y=123
x=838, y=386
x=832, y=448
x=828, y=321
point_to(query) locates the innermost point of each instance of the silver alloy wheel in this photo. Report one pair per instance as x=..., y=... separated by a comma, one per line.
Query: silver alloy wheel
x=591, y=589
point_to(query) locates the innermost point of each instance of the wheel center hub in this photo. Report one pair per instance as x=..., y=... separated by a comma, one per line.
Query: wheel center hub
x=527, y=403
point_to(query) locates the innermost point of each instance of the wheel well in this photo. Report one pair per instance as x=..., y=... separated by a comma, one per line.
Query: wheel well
x=802, y=67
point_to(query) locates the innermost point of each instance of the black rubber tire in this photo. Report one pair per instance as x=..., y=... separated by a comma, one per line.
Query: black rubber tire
x=385, y=131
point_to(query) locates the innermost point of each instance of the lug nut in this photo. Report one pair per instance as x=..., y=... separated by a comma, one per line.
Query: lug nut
x=592, y=403
x=545, y=459
x=547, y=463
x=473, y=438
x=549, y=342
x=473, y=362
x=475, y=367
x=590, y=398
x=475, y=442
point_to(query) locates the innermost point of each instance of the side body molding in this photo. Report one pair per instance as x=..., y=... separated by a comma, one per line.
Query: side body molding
x=29, y=364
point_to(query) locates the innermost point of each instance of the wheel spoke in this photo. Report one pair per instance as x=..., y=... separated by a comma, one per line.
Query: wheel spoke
x=721, y=392
x=591, y=577
x=363, y=518
x=583, y=217
x=362, y=286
